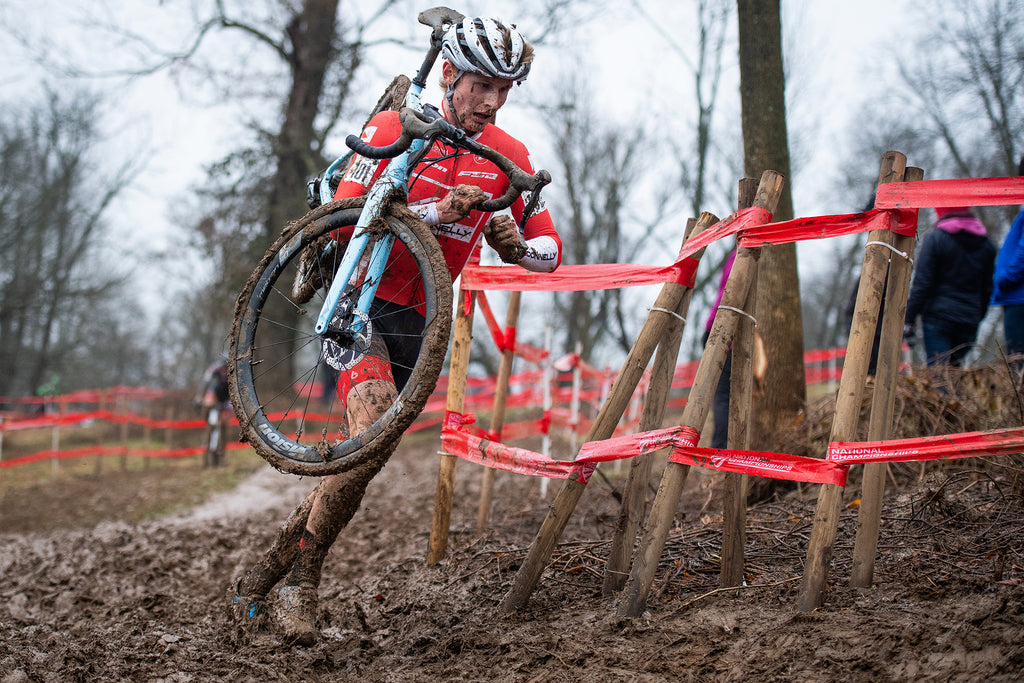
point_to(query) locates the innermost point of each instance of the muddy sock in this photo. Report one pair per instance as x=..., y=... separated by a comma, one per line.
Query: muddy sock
x=340, y=505
x=263, y=575
x=309, y=561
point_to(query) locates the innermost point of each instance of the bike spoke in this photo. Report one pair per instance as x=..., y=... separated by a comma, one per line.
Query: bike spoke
x=300, y=334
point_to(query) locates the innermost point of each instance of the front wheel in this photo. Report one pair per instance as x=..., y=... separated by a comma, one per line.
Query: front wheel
x=283, y=390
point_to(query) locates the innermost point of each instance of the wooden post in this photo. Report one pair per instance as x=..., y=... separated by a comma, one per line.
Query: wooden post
x=455, y=402
x=548, y=379
x=500, y=401
x=741, y=383
x=833, y=383
x=101, y=429
x=55, y=443
x=848, y=399
x=123, y=411
x=167, y=430
x=608, y=417
x=883, y=401
x=147, y=432
x=574, y=402
x=723, y=331
x=635, y=494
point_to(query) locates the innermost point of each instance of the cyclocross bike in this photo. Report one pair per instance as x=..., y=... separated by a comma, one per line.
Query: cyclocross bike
x=280, y=339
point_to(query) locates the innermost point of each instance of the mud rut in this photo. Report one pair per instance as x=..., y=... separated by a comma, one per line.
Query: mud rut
x=147, y=602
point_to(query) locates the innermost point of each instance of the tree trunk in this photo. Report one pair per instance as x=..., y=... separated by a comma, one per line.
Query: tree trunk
x=765, y=146
x=312, y=34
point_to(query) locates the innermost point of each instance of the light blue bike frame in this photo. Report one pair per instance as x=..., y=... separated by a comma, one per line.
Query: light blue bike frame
x=395, y=177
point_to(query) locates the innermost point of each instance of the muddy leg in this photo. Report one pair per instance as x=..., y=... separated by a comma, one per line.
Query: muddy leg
x=338, y=497
x=334, y=503
x=271, y=568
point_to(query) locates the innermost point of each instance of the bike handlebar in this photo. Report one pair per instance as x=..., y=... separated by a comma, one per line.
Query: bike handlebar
x=416, y=126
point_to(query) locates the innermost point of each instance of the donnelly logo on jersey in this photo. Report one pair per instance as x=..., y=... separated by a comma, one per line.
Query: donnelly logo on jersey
x=454, y=231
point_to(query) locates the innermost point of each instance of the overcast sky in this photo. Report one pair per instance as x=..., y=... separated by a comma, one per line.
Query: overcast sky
x=832, y=46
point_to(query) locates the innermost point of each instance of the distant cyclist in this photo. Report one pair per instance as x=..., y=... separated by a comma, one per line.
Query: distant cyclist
x=482, y=59
x=213, y=399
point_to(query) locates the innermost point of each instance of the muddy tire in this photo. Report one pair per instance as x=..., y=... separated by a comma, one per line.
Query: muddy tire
x=393, y=97
x=292, y=418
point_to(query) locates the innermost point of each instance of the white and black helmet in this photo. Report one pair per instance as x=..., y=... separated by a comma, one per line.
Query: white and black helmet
x=487, y=47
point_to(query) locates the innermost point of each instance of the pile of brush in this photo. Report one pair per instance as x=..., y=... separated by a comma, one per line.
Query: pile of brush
x=928, y=402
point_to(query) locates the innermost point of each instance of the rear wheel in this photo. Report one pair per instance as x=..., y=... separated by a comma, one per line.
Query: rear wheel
x=282, y=388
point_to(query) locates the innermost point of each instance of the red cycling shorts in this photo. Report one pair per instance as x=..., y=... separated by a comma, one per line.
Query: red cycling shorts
x=374, y=364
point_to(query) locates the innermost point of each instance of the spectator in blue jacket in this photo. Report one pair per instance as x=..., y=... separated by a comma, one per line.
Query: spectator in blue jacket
x=1009, y=282
x=952, y=285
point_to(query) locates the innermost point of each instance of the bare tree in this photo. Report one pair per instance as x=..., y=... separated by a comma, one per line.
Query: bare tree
x=966, y=83
x=765, y=143
x=955, y=107
x=251, y=194
x=54, y=200
x=705, y=175
x=599, y=168
x=711, y=29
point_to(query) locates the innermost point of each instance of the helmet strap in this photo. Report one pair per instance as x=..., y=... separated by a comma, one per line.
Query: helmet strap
x=449, y=97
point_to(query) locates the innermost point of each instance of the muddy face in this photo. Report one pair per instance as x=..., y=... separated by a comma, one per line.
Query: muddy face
x=476, y=98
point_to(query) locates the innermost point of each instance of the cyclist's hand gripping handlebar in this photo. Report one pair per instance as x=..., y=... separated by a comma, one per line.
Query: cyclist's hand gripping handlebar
x=415, y=126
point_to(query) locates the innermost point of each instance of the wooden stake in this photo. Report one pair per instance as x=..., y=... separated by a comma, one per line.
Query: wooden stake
x=147, y=432
x=455, y=402
x=741, y=383
x=55, y=443
x=634, y=497
x=723, y=331
x=604, y=426
x=168, y=442
x=101, y=429
x=123, y=409
x=547, y=387
x=848, y=400
x=574, y=400
x=883, y=402
x=498, y=415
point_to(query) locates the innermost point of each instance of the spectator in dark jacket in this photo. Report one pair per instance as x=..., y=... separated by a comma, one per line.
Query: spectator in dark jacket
x=952, y=285
x=1009, y=282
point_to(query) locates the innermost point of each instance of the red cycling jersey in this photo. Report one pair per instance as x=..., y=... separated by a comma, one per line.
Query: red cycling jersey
x=431, y=180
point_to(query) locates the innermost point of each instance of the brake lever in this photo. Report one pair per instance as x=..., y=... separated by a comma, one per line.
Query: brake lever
x=531, y=205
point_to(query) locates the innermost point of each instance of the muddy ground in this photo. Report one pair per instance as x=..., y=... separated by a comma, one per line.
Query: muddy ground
x=146, y=601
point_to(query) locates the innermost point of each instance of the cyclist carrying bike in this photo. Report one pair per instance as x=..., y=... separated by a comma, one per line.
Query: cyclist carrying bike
x=482, y=59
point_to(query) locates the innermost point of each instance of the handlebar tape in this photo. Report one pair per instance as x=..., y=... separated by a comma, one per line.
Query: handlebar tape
x=372, y=152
